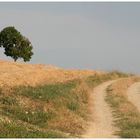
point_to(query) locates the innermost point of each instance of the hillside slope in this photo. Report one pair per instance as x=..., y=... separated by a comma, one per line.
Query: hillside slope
x=14, y=74
x=43, y=101
x=35, y=100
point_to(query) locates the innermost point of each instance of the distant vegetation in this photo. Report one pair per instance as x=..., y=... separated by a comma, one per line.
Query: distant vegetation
x=97, y=79
x=15, y=45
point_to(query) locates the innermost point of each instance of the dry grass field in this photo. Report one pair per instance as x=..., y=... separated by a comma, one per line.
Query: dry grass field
x=14, y=74
x=44, y=101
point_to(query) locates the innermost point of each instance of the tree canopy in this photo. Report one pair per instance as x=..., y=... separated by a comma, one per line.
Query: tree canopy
x=15, y=44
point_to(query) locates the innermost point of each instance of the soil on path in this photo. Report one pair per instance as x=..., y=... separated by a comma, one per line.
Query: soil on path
x=102, y=124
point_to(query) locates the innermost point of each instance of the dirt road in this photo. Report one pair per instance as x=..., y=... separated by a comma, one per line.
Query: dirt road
x=102, y=124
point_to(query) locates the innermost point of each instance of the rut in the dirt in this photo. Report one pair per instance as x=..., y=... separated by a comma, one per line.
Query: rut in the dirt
x=102, y=124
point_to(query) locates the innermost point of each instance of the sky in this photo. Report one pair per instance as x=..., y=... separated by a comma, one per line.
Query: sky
x=88, y=35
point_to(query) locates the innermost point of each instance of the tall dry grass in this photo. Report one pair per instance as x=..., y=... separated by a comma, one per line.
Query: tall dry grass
x=127, y=117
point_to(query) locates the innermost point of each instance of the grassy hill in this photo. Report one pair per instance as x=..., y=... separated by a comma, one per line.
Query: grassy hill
x=46, y=101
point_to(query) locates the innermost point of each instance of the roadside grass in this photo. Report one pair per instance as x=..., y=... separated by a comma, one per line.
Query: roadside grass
x=127, y=117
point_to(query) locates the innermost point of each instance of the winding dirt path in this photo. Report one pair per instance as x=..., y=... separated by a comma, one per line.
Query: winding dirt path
x=133, y=94
x=102, y=124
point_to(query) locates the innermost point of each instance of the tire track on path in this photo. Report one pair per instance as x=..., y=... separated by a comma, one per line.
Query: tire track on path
x=102, y=124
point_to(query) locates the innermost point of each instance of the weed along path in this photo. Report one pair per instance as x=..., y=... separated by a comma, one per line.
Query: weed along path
x=102, y=124
x=133, y=94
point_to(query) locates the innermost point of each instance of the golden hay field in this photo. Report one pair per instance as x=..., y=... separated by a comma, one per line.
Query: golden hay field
x=14, y=74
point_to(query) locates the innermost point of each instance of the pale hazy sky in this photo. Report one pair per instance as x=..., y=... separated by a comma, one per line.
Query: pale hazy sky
x=79, y=35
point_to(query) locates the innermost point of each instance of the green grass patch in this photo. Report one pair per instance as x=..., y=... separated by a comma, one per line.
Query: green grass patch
x=73, y=106
x=47, y=92
x=14, y=130
x=36, y=117
x=7, y=100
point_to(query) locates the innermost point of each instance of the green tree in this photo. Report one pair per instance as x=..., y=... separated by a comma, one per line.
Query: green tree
x=15, y=45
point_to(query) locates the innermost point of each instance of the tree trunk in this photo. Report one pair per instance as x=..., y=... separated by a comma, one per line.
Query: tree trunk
x=15, y=59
